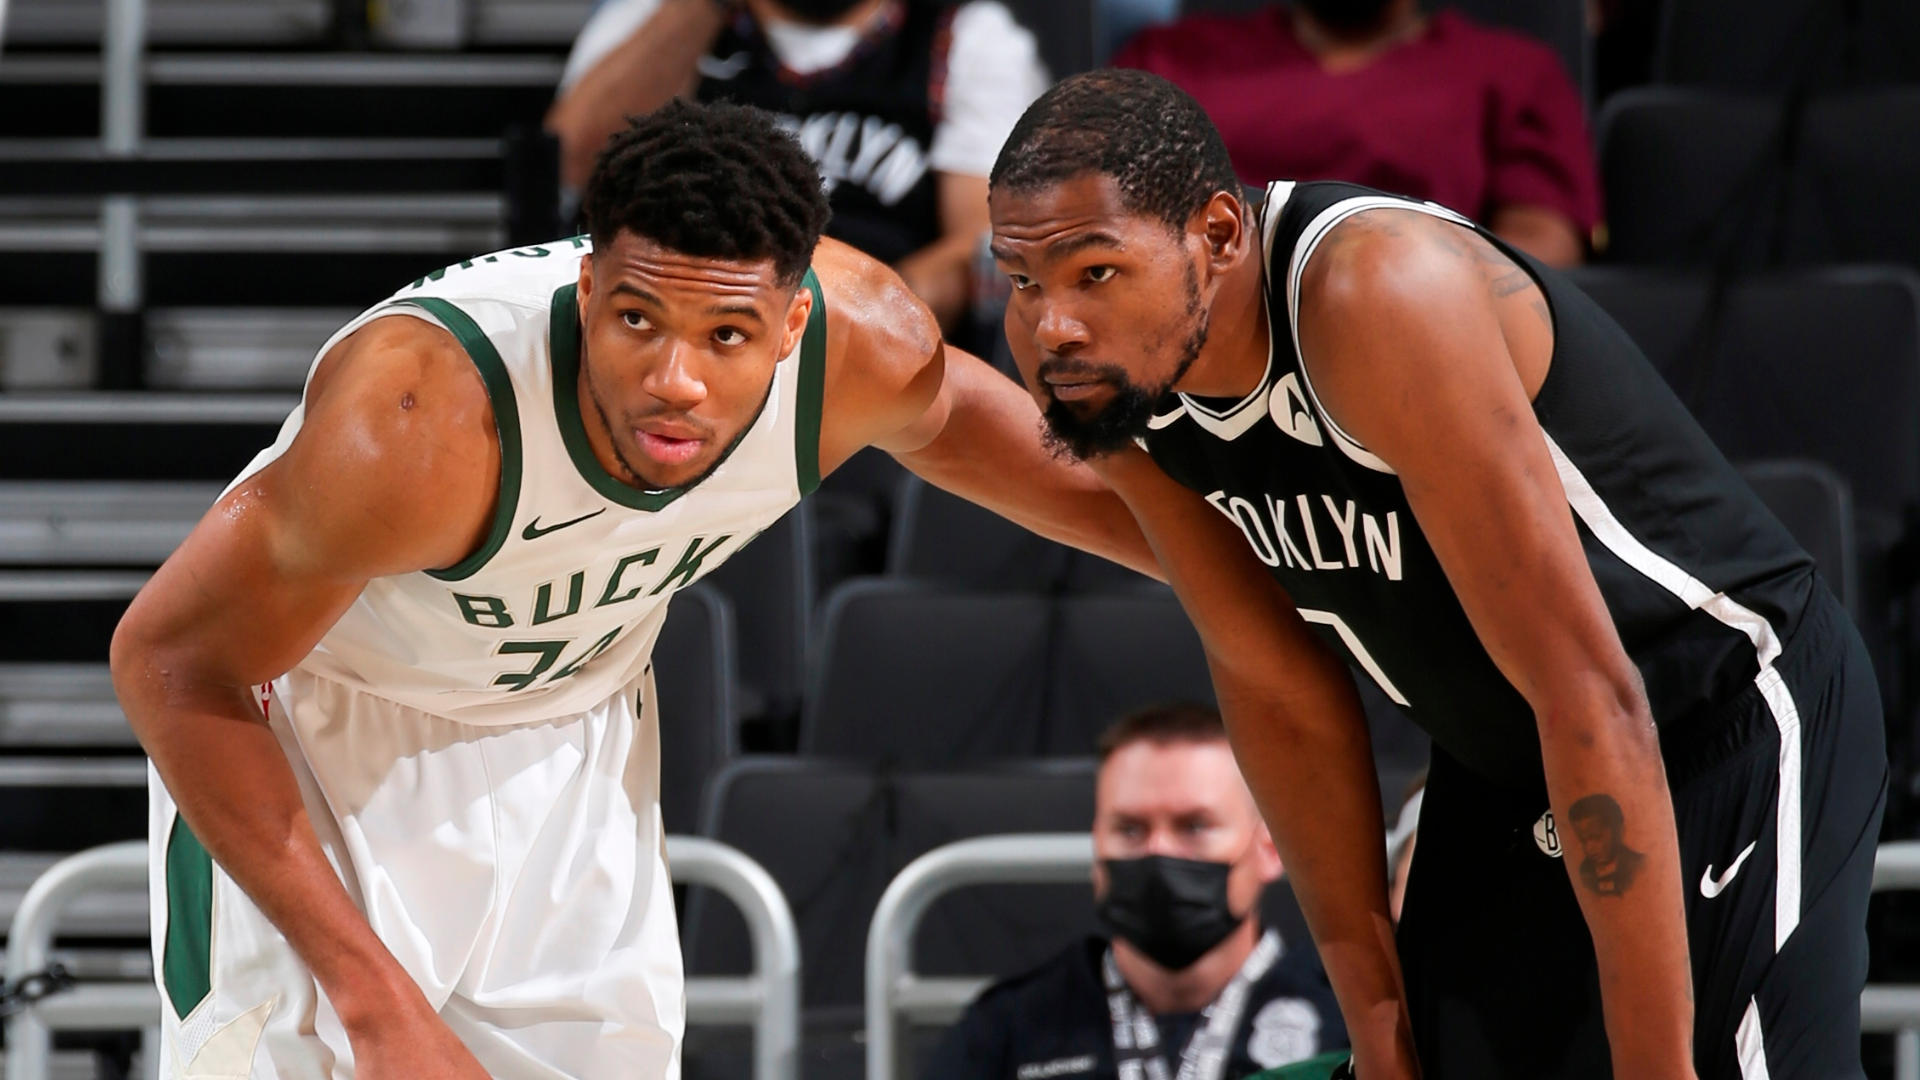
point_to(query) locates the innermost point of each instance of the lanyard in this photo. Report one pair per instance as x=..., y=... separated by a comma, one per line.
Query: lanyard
x=1136, y=1036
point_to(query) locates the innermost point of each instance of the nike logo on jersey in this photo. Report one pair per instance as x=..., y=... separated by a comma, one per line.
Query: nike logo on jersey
x=1711, y=886
x=533, y=531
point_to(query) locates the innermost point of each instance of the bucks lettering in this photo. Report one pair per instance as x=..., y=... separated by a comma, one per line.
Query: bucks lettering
x=553, y=602
x=1316, y=533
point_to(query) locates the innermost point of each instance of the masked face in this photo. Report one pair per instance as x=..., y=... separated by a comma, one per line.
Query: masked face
x=1345, y=14
x=1173, y=910
x=819, y=12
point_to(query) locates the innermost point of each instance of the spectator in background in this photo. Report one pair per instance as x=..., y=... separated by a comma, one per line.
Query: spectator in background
x=1482, y=121
x=1182, y=859
x=904, y=104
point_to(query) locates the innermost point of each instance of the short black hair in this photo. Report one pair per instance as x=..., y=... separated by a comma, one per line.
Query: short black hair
x=1155, y=141
x=1162, y=724
x=1601, y=808
x=716, y=181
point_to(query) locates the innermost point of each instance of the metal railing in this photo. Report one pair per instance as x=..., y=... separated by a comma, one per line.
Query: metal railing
x=1896, y=1009
x=894, y=992
x=769, y=999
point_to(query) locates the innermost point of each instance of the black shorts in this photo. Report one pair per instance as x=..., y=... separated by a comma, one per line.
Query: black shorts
x=1499, y=963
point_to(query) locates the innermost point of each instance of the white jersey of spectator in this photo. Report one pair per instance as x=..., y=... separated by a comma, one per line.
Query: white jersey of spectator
x=994, y=70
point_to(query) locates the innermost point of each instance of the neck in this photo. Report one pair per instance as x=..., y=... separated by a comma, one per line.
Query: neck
x=1239, y=340
x=1340, y=49
x=1192, y=988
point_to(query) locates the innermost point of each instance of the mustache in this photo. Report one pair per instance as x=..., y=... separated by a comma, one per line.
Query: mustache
x=1053, y=365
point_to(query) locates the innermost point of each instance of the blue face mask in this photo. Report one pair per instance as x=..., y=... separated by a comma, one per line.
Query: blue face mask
x=1173, y=910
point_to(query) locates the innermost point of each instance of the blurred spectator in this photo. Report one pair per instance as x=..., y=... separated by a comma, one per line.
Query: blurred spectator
x=1374, y=92
x=904, y=104
x=1400, y=842
x=1182, y=859
x=1118, y=20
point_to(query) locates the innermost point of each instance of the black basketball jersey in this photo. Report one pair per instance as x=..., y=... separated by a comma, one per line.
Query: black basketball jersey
x=1703, y=584
x=868, y=121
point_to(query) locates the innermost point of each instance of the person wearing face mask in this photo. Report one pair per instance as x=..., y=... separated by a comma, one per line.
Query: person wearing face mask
x=902, y=103
x=1186, y=981
x=1375, y=92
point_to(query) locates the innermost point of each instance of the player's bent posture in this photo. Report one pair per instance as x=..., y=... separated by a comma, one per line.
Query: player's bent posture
x=396, y=683
x=1374, y=435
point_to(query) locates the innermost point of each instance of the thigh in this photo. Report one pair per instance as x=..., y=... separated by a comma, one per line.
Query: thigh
x=1499, y=964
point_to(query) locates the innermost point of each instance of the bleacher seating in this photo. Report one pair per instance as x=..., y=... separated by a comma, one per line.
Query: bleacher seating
x=938, y=536
x=1772, y=45
x=1112, y=654
x=1717, y=179
x=1815, y=503
x=694, y=673
x=771, y=585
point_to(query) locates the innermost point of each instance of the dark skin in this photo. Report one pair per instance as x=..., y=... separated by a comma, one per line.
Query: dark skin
x=1427, y=345
x=397, y=470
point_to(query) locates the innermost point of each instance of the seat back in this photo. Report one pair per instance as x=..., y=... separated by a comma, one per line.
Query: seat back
x=1816, y=505
x=1699, y=178
x=914, y=674
x=770, y=583
x=1114, y=654
x=693, y=674
x=1774, y=44
x=833, y=835
x=938, y=536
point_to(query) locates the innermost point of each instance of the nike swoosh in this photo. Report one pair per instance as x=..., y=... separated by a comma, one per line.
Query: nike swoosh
x=533, y=531
x=1711, y=886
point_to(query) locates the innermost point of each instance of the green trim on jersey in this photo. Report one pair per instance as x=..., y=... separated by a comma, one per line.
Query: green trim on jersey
x=813, y=390
x=186, y=965
x=563, y=336
x=506, y=419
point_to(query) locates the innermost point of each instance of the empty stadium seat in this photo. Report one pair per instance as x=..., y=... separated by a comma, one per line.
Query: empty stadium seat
x=834, y=834
x=938, y=536
x=1114, y=654
x=693, y=671
x=1775, y=44
x=1816, y=505
x=771, y=584
x=1706, y=178
x=912, y=674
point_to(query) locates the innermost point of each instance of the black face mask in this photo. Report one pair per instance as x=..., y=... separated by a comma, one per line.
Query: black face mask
x=1173, y=910
x=1345, y=14
x=819, y=12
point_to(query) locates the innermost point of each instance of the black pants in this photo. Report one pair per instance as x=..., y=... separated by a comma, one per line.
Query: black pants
x=1499, y=963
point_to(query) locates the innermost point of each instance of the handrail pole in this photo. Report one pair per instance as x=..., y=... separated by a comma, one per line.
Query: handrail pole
x=1896, y=866
x=1037, y=858
x=776, y=945
x=30, y=937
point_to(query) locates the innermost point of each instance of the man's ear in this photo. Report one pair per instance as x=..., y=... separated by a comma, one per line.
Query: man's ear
x=585, y=290
x=799, y=310
x=1266, y=857
x=1224, y=224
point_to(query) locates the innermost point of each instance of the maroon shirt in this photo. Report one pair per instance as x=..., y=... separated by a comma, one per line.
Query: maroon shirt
x=1467, y=116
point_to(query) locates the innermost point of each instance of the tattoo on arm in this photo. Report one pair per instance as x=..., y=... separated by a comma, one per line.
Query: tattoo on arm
x=1607, y=865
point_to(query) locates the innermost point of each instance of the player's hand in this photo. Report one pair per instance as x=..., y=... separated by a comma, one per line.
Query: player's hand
x=412, y=1044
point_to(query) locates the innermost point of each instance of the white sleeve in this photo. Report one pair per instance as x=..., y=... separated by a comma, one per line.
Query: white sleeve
x=994, y=72
x=608, y=28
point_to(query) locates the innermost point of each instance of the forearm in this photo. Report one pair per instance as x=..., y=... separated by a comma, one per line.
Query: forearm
x=1603, y=765
x=644, y=73
x=1308, y=758
x=226, y=771
x=988, y=451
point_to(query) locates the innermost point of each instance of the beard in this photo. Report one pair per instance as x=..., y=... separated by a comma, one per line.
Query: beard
x=1124, y=417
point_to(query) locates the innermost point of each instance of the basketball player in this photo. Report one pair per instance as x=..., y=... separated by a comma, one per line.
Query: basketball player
x=395, y=685
x=1372, y=434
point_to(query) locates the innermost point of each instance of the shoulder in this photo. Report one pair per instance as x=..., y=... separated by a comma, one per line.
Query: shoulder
x=878, y=332
x=1069, y=976
x=1385, y=256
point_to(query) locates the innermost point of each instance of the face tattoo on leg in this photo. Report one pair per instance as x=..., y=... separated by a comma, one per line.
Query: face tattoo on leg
x=1124, y=418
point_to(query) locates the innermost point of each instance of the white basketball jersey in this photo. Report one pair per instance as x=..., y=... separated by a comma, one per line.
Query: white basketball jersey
x=559, y=608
